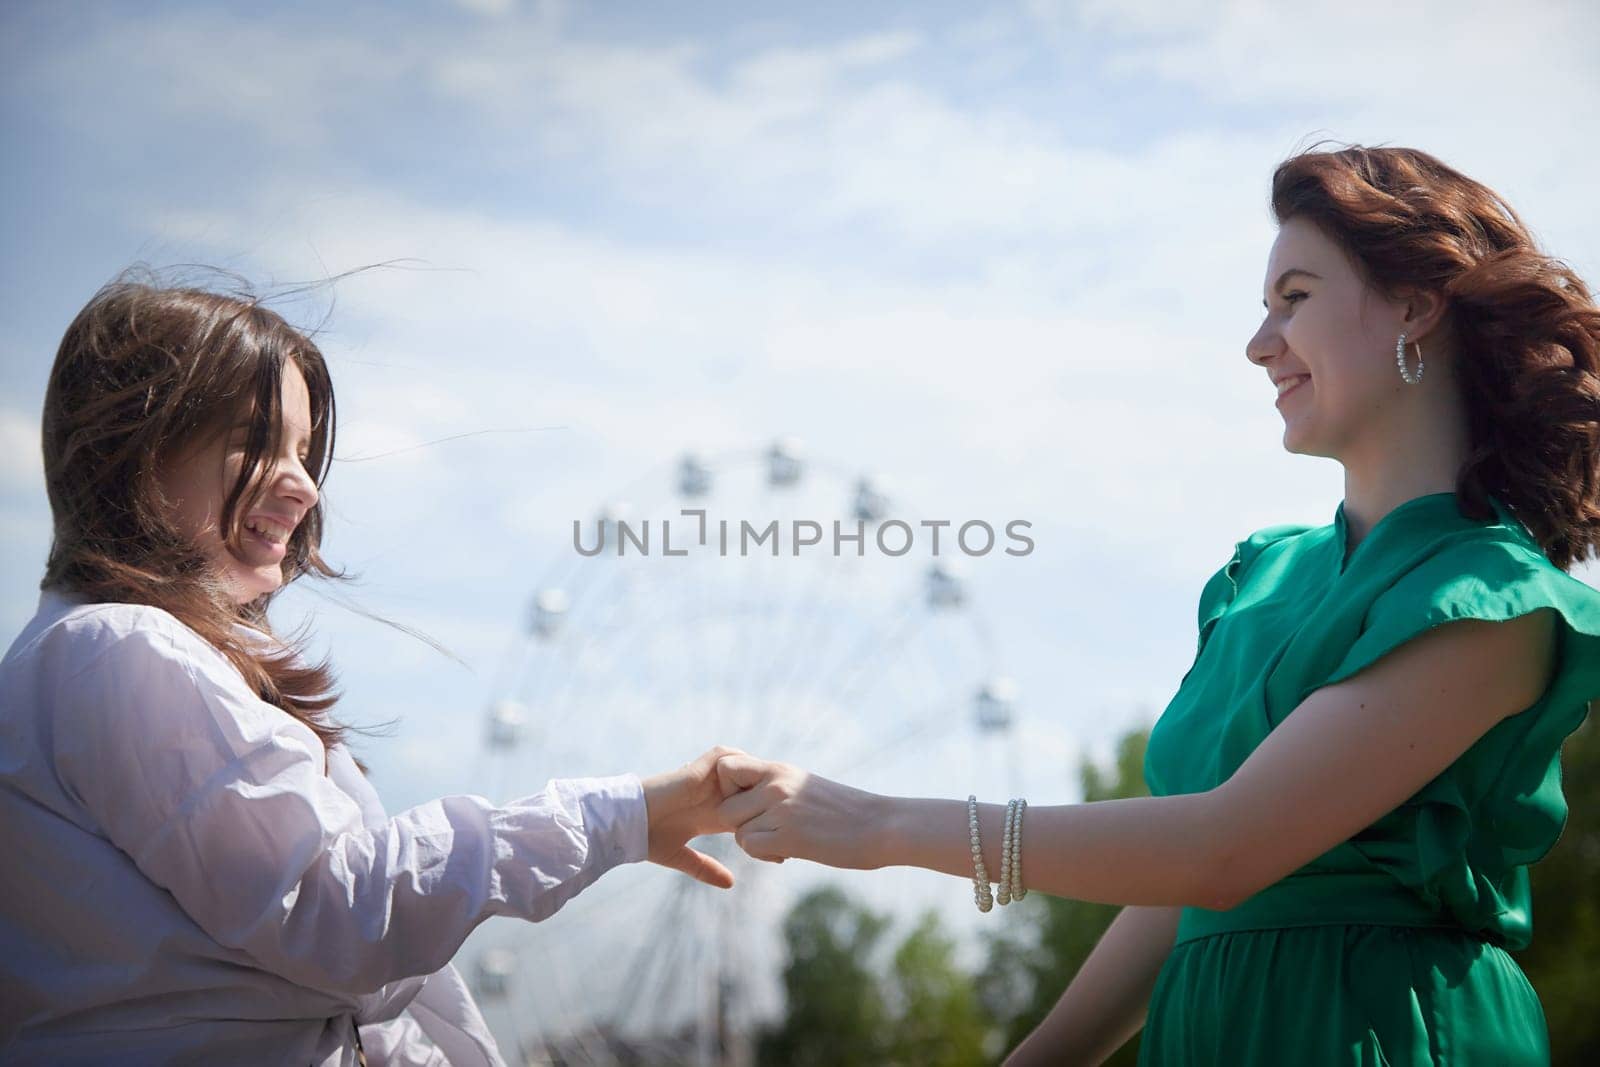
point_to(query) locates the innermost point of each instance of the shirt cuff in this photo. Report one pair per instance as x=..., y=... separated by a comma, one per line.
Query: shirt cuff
x=615, y=820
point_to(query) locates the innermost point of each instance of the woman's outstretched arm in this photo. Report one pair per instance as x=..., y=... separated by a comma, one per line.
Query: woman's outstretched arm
x=221, y=799
x=1105, y=1003
x=1156, y=851
x=1345, y=756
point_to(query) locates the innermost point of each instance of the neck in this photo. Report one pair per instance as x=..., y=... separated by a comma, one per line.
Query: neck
x=1419, y=451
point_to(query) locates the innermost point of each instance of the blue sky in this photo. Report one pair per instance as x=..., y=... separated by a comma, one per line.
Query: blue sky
x=1005, y=259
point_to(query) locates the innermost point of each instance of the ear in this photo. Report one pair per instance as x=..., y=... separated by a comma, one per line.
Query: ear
x=1424, y=311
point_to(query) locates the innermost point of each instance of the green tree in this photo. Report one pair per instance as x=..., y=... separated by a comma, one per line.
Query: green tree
x=939, y=1022
x=835, y=1007
x=921, y=1010
x=1560, y=961
x=1031, y=962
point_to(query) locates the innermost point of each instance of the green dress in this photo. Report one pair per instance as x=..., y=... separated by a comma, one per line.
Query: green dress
x=1391, y=948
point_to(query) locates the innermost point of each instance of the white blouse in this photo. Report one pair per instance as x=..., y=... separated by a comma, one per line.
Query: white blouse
x=183, y=884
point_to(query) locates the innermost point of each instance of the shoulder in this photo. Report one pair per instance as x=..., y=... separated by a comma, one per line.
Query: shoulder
x=96, y=657
x=1258, y=541
x=1290, y=538
x=90, y=636
x=1282, y=531
x=1491, y=572
x=1510, y=605
x=1288, y=535
x=124, y=677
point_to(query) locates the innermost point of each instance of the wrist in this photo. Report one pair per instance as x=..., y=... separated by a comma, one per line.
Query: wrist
x=649, y=787
x=886, y=831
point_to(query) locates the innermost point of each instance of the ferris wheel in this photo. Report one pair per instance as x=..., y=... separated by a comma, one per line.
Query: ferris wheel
x=659, y=632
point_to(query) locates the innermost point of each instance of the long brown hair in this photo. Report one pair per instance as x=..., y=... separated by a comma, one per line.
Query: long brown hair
x=145, y=371
x=1527, y=327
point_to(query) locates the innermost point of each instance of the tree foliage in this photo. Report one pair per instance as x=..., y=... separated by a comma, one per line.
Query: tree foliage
x=1564, y=958
x=836, y=1011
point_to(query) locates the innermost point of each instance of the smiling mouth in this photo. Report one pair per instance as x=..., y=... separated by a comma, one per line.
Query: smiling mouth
x=1298, y=381
x=271, y=532
x=277, y=548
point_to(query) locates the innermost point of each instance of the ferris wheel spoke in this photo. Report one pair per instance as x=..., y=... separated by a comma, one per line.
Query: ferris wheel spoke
x=678, y=981
x=624, y=903
x=583, y=1032
x=892, y=643
x=927, y=716
x=787, y=661
x=904, y=734
x=937, y=714
x=681, y=698
x=809, y=623
x=537, y=692
x=659, y=628
x=868, y=650
x=702, y=634
x=811, y=674
x=649, y=957
x=557, y=709
x=548, y=946
x=693, y=657
x=800, y=704
x=675, y=991
x=520, y=1033
x=747, y=657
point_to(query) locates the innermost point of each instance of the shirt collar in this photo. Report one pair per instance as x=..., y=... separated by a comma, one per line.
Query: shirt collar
x=1428, y=510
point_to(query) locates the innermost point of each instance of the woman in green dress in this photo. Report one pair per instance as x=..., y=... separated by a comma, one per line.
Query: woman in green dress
x=1355, y=775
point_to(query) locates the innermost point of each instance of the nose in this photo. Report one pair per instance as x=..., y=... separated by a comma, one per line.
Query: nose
x=294, y=482
x=1267, y=344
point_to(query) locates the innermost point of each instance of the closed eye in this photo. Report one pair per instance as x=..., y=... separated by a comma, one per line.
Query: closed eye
x=1290, y=296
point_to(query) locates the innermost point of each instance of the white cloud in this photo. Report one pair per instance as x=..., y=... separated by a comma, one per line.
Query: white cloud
x=494, y=8
x=21, y=458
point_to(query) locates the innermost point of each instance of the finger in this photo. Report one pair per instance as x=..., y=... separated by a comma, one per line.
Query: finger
x=698, y=865
x=761, y=845
x=767, y=820
x=740, y=808
x=741, y=771
x=706, y=762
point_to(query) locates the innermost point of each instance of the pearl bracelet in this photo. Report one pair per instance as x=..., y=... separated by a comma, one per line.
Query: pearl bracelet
x=980, y=878
x=1003, y=897
x=1017, y=889
x=1011, y=887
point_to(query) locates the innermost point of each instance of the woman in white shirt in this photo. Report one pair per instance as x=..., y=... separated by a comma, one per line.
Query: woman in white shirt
x=196, y=867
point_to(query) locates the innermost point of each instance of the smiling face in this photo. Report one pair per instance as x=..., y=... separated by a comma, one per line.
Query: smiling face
x=1325, y=324
x=198, y=481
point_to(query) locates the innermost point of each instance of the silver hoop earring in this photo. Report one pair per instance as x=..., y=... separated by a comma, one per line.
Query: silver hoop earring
x=1400, y=358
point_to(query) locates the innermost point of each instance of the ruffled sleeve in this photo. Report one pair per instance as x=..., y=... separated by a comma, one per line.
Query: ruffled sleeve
x=1464, y=841
x=1214, y=597
x=1493, y=580
x=1223, y=586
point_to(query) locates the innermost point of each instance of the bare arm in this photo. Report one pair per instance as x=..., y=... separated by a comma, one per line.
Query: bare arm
x=1392, y=727
x=1105, y=1003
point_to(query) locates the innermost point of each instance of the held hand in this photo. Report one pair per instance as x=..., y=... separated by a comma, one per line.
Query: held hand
x=682, y=804
x=783, y=812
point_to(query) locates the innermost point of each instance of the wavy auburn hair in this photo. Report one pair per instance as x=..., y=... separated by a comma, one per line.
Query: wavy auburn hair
x=144, y=372
x=1526, y=326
